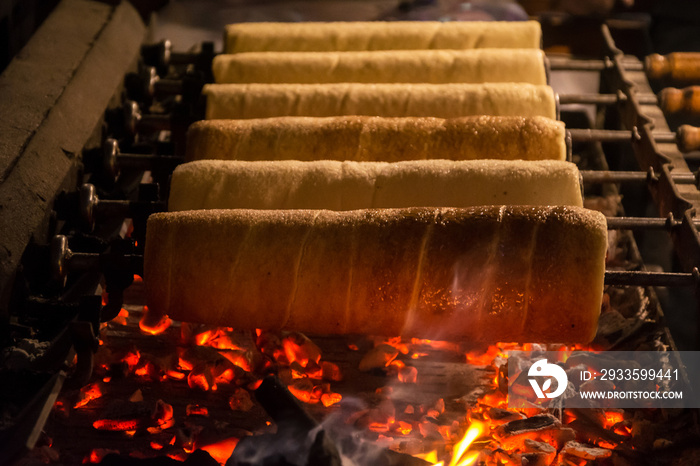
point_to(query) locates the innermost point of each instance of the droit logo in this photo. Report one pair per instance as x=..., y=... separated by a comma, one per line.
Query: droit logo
x=542, y=368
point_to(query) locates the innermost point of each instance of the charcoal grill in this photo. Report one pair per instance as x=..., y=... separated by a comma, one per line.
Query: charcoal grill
x=55, y=144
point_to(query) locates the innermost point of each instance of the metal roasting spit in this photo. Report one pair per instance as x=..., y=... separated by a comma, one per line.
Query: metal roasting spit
x=71, y=243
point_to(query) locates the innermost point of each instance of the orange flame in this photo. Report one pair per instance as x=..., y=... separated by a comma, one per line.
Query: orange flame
x=460, y=457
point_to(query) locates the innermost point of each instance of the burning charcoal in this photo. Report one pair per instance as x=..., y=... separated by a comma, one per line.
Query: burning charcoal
x=586, y=452
x=137, y=396
x=534, y=423
x=88, y=393
x=429, y=429
x=200, y=378
x=331, y=371
x=543, y=427
x=303, y=390
x=196, y=355
x=538, y=453
x=661, y=443
x=186, y=436
x=312, y=370
x=240, y=400
x=298, y=347
x=225, y=372
x=558, y=437
x=498, y=416
x=378, y=357
x=408, y=374
x=329, y=399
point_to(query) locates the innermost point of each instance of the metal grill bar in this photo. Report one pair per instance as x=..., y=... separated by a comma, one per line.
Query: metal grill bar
x=645, y=278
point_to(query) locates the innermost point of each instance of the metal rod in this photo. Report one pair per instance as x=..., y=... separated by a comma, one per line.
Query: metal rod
x=605, y=99
x=606, y=176
x=615, y=135
x=686, y=137
x=644, y=278
x=573, y=64
x=641, y=223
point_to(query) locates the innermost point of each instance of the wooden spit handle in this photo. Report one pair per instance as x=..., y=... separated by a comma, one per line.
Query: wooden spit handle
x=688, y=138
x=687, y=100
x=678, y=66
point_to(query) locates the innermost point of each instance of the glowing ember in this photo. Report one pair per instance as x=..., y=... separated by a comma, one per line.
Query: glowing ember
x=298, y=348
x=184, y=364
x=436, y=344
x=162, y=417
x=408, y=374
x=612, y=418
x=329, y=399
x=303, y=390
x=482, y=359
x=238, y=358
x=235, y=362
x=331, y=371
x=404, y=428
x=98, y=454
x=203, y=338
x=154, y=328
x=176, y=375
x=122, y=318
x=221, y=451
x=201, y=378
x=147, y=370
x=132, y=358
x=88, y=393
x=197, y=410
x=117, y=425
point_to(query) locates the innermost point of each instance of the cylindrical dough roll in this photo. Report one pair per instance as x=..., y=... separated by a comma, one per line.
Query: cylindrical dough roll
x=364, y=138
x=390, y=66
x=333, y=185
x=496, y=273
x=390, y=100
x=379, y=35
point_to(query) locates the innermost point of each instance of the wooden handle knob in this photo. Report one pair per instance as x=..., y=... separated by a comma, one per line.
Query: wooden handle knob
x=685, y=100
x=688, y=138
x=678, y=66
